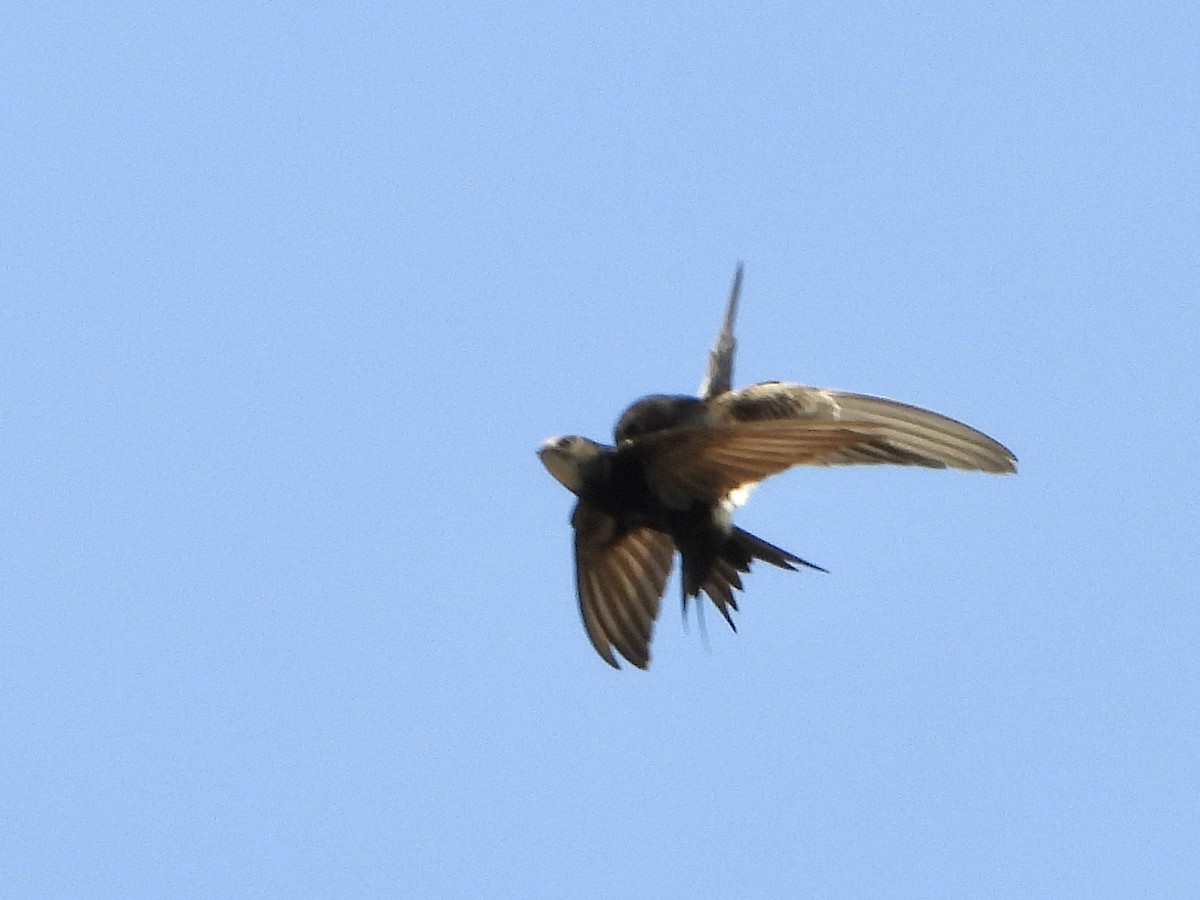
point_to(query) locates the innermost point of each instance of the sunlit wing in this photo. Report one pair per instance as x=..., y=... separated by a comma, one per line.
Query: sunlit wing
x=769, y=427
x=706, y=463
x=923, y=437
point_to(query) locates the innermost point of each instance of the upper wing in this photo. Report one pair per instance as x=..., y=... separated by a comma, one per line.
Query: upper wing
x=719, y=377
x=620, y=577
x=766, y=428
x=915, y=436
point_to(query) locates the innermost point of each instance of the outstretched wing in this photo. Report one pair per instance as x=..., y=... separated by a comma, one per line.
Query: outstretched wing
x=763, y=429
x=620, y=577
x=914, y=436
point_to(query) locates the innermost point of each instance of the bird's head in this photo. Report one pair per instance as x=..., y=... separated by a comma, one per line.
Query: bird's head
x=571, y=459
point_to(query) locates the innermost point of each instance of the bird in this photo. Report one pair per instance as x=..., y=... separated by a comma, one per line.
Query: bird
x=680, y=465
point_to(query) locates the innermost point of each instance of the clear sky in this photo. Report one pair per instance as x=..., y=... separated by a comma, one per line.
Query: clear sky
x=289, y=297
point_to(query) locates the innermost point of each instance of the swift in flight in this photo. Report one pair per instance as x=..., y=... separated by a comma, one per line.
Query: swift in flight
x=680, y=465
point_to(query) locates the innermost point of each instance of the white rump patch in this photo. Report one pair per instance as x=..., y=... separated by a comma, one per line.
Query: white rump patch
x=739, y=495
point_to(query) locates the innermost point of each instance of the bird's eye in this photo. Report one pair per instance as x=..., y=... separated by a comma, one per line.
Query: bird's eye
x=563, y=443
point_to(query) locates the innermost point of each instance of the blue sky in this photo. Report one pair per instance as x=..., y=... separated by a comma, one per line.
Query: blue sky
x=290, y=297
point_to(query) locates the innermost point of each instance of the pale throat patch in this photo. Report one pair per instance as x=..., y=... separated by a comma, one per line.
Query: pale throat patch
x=563, y=467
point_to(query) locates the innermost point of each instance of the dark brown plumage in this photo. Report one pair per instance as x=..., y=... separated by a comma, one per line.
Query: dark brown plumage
x=681, y=464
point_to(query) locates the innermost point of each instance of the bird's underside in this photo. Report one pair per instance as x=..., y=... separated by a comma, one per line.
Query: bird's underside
x=680, y=464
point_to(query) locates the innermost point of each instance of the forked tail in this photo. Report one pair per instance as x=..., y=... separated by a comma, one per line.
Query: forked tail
x=723, y=576
x=742, y=547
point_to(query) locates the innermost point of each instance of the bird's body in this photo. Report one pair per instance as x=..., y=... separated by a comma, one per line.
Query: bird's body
x=680, y=465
